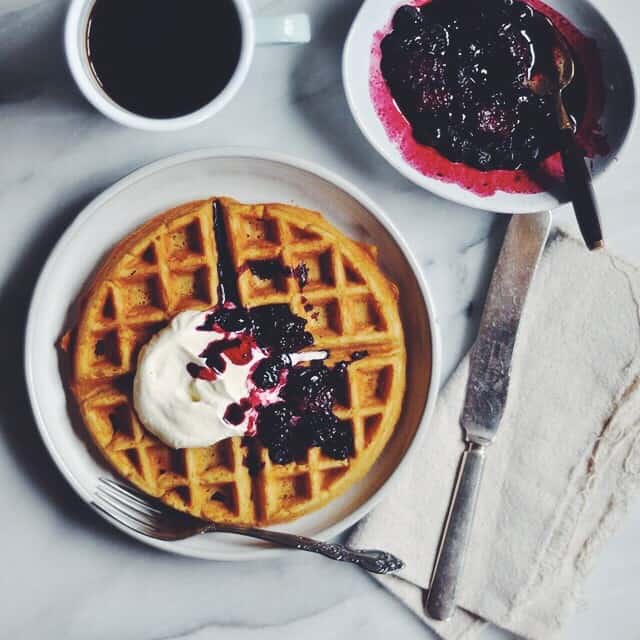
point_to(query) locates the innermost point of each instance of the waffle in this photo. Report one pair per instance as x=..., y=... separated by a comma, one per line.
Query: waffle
x=170, y=264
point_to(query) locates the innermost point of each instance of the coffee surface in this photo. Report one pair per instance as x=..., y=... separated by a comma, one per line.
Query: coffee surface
x=163, y=58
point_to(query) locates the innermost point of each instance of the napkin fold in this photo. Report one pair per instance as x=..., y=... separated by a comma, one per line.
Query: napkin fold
x=560, y=474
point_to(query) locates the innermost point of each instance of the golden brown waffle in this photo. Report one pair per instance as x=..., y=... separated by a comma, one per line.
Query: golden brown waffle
x=170, y=264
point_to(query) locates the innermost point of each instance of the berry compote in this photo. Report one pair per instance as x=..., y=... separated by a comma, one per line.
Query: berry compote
x=301, y=415
x=457, y=70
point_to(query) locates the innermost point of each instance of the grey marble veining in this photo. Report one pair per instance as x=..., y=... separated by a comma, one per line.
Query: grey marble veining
x=67, y=574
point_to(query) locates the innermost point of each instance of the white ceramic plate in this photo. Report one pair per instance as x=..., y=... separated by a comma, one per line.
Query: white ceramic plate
x=616, y=120
x=253, y=177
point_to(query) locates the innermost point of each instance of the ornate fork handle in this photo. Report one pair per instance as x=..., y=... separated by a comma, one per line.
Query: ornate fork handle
x=369, y=559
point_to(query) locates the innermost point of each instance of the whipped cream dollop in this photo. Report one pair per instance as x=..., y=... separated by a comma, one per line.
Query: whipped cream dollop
x=193, y=384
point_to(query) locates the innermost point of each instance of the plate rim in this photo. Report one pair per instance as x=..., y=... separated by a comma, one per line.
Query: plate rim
x=542, y=200
x=234, y=152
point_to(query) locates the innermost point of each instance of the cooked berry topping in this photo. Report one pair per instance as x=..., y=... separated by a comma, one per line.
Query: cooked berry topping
x=274, y=430
x=301, y=274
x=276, y=327
x=281, y=454
x=340, y=442
x=457, y=68
x=358, y=355
x=310, y=389
x=275, y=423
x=316, y=429
x=340, y=382
x=228, y=318
x=227, y=276
x=213, y=354
x=268, y=372
x=267, y=269
x=236, y=411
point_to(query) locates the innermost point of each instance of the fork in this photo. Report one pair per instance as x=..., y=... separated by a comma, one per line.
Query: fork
x=136, y=511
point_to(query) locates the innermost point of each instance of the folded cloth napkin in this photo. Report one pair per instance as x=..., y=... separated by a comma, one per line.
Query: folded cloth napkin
x=560, y=473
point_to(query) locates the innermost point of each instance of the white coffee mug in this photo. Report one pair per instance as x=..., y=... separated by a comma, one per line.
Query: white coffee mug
x=255, y=31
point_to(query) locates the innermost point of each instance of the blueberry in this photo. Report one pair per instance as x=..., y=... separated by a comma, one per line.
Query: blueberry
x=479, y=73
x=229, y=319
x=496, y=120
x=274, y=424
x=267, y=373
x=436, y=39
x=421, y=70
x=472, y=50
x=462, y=76
x=310, y=389
x=274, y=431
x=340, y=444
x=281, y=454
x=482, y=159
x=435, y=100
x=407, y=19
x=412, y=44
x=459, y=145
x=277, y=328
x=316, y=429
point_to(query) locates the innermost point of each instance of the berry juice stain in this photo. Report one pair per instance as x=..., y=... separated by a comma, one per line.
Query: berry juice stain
x=200, y=372
x=506, y=138
x=227, y=276
x=270, y=269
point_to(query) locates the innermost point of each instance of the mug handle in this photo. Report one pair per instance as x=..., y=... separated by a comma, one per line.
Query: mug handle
x=290, y=29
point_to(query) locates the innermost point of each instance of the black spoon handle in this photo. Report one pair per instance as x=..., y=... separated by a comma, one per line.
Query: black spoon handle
x=578, y=181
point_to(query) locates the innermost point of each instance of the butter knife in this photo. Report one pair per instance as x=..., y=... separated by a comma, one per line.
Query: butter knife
x=487, y=386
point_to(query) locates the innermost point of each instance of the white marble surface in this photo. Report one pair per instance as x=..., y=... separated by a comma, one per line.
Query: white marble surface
x=65, y=573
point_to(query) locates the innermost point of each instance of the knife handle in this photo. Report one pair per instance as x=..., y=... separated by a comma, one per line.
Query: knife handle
x=441, y=598
x=578, y=181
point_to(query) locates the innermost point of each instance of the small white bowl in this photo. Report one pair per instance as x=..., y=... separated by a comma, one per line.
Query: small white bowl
x=248, y=175
x=617, y=118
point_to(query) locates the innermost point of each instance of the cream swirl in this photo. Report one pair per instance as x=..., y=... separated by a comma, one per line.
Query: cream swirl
x=186, y=403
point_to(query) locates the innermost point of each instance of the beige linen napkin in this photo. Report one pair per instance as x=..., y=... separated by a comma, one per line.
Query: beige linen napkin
x=564, y=465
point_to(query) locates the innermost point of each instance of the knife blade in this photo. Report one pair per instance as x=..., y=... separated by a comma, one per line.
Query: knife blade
x=486, y=396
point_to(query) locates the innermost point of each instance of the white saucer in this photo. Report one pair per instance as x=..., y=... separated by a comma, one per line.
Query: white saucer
x=249, y=176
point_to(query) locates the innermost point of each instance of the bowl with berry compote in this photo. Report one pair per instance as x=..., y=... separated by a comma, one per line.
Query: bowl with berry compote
x=439, y=88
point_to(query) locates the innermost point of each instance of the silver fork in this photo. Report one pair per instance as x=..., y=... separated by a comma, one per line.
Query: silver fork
x=136, y=511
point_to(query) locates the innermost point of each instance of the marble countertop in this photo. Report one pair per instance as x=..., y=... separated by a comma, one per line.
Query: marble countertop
x=66, y=573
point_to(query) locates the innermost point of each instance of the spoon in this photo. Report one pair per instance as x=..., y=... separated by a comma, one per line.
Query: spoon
x=551, y=79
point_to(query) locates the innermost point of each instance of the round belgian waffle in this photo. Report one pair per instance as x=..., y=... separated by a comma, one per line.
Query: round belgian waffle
x=170, y=264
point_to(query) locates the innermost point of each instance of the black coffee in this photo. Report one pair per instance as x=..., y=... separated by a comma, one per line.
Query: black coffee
x=163, y=58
